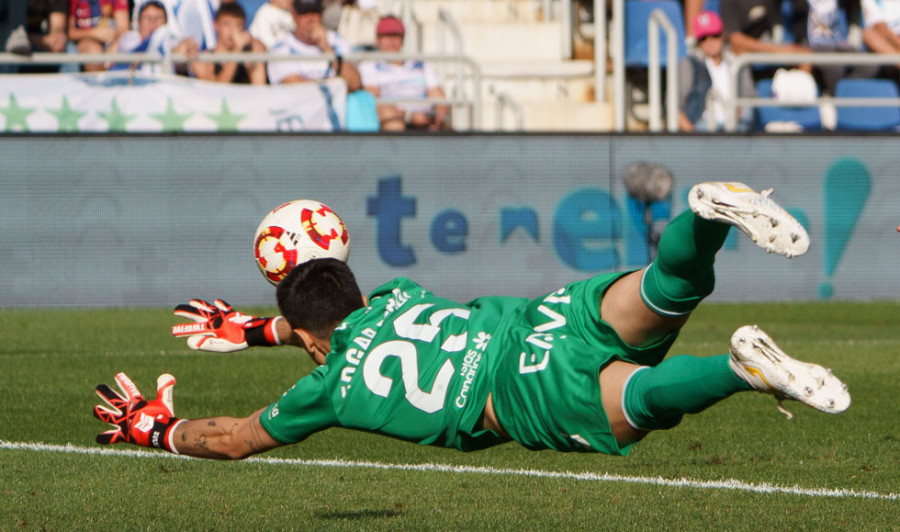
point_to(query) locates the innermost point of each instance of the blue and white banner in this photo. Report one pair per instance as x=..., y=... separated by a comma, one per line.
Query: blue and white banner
x=120, y=102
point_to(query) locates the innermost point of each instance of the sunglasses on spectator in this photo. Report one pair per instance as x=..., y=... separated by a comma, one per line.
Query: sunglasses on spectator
x=710, y=36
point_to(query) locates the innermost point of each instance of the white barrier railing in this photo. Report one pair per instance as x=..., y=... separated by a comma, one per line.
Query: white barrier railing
x=446, y=23
x=600, y=50
x=473, y=104
x=505, y=101
x=733, y=103
x=618, y=53
x=658, y=18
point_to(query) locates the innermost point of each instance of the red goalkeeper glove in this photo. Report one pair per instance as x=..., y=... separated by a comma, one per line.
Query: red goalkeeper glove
x=219, y=328
x=137, y=421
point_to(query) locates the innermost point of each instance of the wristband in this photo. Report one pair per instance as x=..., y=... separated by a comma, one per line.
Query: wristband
x=340, y=64
x=264, y=334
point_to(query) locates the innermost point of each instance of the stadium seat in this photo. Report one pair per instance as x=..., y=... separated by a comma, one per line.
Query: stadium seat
x=867, y=118
x=250, y=7
x=711, y=5
x=807, y=117
x=637, y=13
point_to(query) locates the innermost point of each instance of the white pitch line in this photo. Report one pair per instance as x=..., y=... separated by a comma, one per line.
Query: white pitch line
x=728, y=484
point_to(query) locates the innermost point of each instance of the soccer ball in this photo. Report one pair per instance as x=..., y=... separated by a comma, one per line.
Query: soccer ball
x=296, y=232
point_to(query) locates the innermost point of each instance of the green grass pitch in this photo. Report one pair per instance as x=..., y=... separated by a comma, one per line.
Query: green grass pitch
x=843, y=471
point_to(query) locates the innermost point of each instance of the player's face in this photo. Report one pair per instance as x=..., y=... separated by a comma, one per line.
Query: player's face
x=389, y=43
x=227, y=27
x=151, y=19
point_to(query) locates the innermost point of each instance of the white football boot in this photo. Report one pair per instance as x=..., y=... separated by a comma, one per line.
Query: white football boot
x=757, y=360
x=763, y=220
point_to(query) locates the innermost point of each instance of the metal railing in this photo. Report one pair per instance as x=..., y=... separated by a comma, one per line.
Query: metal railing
x=658, y=18
x=459, y=100
x=600, y=50
x=733, y=103
x=446, y=23
x=504, y=102
x=618, y=53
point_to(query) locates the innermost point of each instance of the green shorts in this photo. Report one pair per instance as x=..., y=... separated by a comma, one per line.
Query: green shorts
x=546, y=388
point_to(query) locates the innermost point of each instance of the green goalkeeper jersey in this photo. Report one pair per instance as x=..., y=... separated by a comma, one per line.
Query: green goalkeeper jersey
x=410, y=365
x=420, y=368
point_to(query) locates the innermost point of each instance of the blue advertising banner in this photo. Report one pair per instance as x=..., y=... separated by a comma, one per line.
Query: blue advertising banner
x=153, y=220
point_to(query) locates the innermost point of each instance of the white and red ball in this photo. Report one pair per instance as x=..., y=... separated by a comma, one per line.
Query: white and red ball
x=296, y=232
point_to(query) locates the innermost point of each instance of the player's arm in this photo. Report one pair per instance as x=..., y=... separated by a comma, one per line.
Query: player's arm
x=223, y=438
x=153, y=423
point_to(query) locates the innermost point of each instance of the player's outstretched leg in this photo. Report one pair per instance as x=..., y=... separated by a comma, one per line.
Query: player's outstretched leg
x=641, y=399
x=764, y=221
x=644, y=306
x=757, y=360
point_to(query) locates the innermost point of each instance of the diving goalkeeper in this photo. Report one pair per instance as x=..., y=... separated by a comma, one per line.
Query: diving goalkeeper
x=580, y=369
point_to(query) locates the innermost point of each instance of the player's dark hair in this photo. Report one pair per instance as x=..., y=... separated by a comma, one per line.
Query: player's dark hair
x=317, y=295
x=232, y=9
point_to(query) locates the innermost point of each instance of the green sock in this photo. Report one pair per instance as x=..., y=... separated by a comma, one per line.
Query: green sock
x=658, y=397
x=682, y=274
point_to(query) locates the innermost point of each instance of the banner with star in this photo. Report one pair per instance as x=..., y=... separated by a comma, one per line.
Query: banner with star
x=123, y=102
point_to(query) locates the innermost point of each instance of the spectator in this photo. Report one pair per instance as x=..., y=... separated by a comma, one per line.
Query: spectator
x=824, y=31
x=168, y=9
x=189, y=19
x=13, y=37
x=46, y=27
x=692, y=8
x=402, y=80
x=310, y=38
x=153, y=35
x=748, y=28
x=272, y=22
x=96, y=24
x=230, y=26
x=704, y=78
x=881, y=33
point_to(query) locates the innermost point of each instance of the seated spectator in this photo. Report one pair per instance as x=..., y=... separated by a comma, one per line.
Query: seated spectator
x=881, y=33
x=310, y=38
x=95, y=24
x=824, y=32
x=189, y=19
x=704, y=73
x=153, y=35
x=692, y=8
x=13, y=37
x=230, y=26
x=402, y=80
x=46, y=28
x=748, y=28
x=272, y=22
x=168, y=8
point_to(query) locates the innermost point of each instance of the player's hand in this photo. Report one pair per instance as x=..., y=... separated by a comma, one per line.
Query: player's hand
x=219, y=328
x=137, y=421
x=242, y=40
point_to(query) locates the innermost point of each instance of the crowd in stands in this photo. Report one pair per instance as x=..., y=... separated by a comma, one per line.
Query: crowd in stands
x=191, y=27
x=716, y=31
x=807, y=26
